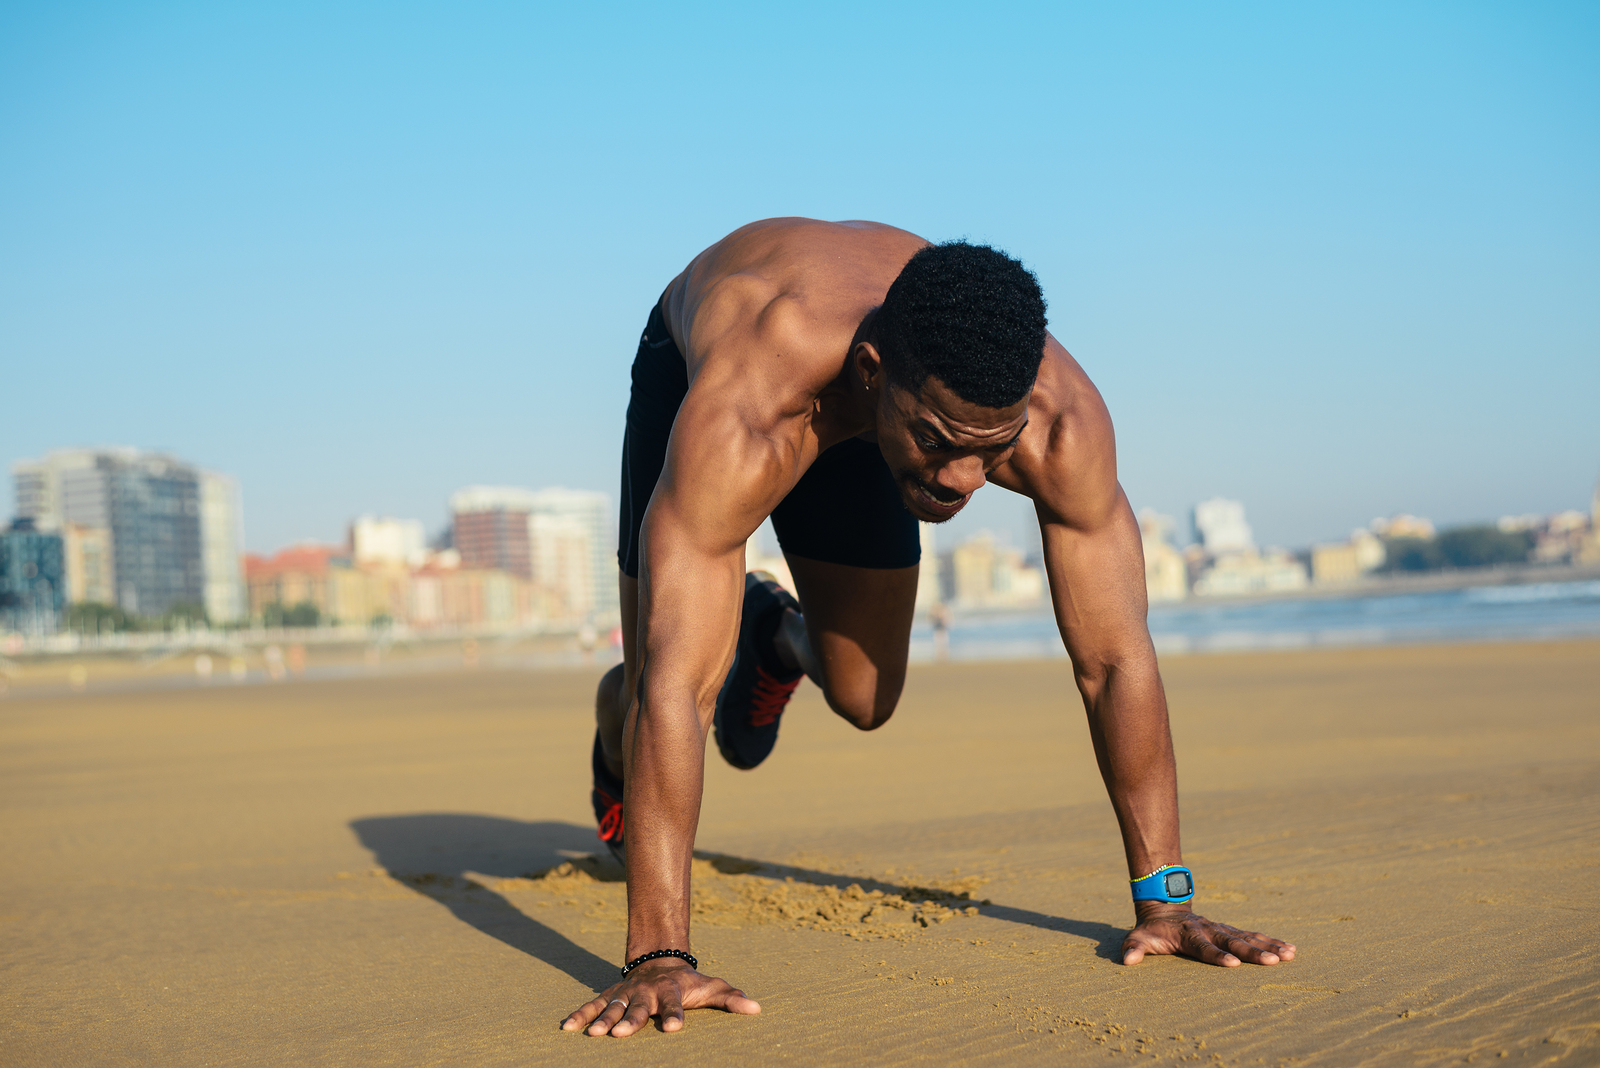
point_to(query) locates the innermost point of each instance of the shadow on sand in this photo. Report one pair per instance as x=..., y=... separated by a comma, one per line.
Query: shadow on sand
x=432, y=853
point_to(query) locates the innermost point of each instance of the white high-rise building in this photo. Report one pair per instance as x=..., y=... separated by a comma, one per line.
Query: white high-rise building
x=388, y=541
x=561, y=539
x=1221, y=526
x=222, y=548
x=562, y=551
x=555, y=516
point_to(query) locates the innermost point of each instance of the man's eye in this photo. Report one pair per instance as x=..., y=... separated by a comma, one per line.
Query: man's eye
x=927, y=445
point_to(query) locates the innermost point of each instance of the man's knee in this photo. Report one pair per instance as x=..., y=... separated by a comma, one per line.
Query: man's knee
x=866, y=705
x=610, y=691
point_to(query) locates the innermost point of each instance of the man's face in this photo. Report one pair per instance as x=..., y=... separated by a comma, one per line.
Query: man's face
x=942, y=448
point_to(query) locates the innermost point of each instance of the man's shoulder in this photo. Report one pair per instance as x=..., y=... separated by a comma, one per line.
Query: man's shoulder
x=827, y=270
x=1066, y=459
x=803, y=234
x=795, y=286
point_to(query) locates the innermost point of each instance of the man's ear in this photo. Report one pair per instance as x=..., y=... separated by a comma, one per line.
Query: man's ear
x=868, y=366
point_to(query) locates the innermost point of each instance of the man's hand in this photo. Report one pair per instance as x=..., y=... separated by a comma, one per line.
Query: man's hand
x=662, y=988
x=1165, y=928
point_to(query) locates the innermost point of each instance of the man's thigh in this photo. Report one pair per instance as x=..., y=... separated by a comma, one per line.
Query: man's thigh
x=859, y=623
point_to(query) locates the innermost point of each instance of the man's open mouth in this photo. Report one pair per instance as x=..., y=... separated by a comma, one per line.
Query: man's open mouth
x=936, y=502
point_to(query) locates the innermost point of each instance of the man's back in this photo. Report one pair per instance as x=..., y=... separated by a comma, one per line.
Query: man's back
x=795, y=288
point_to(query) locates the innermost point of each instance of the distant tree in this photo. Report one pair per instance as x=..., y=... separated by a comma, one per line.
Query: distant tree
x=184, y=614
x=92, y=617
x=381, y=621
x=1474, y=546
x=304, y=614
x=1412, y=554
x=1483, y=546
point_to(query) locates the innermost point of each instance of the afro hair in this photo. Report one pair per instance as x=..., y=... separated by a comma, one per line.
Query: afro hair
x=970, y=316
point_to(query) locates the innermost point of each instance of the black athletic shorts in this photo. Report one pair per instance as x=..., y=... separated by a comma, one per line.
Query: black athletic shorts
x=844, y=510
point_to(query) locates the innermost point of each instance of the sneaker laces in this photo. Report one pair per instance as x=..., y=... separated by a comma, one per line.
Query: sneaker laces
x=770, y=697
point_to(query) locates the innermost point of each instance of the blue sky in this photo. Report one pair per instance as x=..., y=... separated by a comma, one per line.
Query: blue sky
x=1334, y=261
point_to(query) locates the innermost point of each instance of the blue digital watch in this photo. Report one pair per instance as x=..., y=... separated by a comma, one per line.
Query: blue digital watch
x=1171, y=883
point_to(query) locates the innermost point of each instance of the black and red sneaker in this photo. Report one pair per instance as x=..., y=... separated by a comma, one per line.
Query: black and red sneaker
x=607, y=799
x=759, y=686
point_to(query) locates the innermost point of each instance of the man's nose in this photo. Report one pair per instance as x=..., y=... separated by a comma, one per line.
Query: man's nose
x=962, y=476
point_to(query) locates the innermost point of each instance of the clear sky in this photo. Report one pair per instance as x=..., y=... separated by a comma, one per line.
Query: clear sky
x=1335, y=261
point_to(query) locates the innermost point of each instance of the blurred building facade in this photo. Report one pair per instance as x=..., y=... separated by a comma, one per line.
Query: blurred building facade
x=489, y=526
x=222, y=548
x=1227, y=563
x=1402, y=525
x=33, y=584
x=1166, y=573
x=1339, y=563
x=91, y=577
x=154, y=532
x=986, y=574
x=438, y=593
x=559, y=539
x=395, y=542
x=1245, y=574
x=1220, y=527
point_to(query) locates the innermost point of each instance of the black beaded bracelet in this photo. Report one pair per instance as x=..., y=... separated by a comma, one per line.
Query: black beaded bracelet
x=657, y=955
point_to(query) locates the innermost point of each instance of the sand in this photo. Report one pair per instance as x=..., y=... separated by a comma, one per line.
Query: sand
x=398, y=870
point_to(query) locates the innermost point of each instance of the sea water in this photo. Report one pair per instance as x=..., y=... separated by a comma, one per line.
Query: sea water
x=1479, y=613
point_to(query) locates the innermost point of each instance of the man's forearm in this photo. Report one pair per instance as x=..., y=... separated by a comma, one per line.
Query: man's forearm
x=1133, y=745
x=664, y=747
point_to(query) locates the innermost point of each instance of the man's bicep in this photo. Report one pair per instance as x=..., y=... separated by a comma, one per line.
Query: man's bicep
x=726, y=469
x=1096, y=575
x=720, y=481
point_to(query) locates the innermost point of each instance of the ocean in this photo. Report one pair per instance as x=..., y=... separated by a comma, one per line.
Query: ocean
x=1481, y=613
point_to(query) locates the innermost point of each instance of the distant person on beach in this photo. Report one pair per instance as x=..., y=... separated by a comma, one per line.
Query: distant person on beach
x=850, y=379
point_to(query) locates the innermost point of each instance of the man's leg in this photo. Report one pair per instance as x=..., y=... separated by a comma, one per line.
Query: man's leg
x=616, y=686
x=854, y=636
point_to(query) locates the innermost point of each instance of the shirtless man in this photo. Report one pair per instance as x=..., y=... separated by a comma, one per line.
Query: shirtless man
x=849, y=379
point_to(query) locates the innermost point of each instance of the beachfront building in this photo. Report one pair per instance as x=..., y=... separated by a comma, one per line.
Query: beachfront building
x=388, y=541
x=1402, y=525
x=33, y=581
x=289, y=578
x=150, y=533
x=928, y=591
x=558, y=539
x=1220, y=527
x=325, y=578
x=589, y=584
x=222, y=549
x=90, y=575
x=1245, y=574
x=986, y=574
x=325, y=585
x=489, y=528
x=1347, y=561
x=1166, y=573
x=1589, y=547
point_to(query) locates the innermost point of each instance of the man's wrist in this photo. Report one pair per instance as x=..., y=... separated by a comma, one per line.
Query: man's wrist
x=639, y=945
x=1146, y=911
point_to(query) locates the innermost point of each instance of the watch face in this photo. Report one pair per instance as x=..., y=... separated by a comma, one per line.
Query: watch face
x=1179, y=884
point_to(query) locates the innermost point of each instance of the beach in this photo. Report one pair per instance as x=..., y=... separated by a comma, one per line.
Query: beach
x=398, y=869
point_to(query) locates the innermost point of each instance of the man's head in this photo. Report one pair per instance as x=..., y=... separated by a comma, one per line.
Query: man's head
x=960, y=337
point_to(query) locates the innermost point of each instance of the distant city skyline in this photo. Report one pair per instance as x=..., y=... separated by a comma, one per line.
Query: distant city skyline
x=1334, y=264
